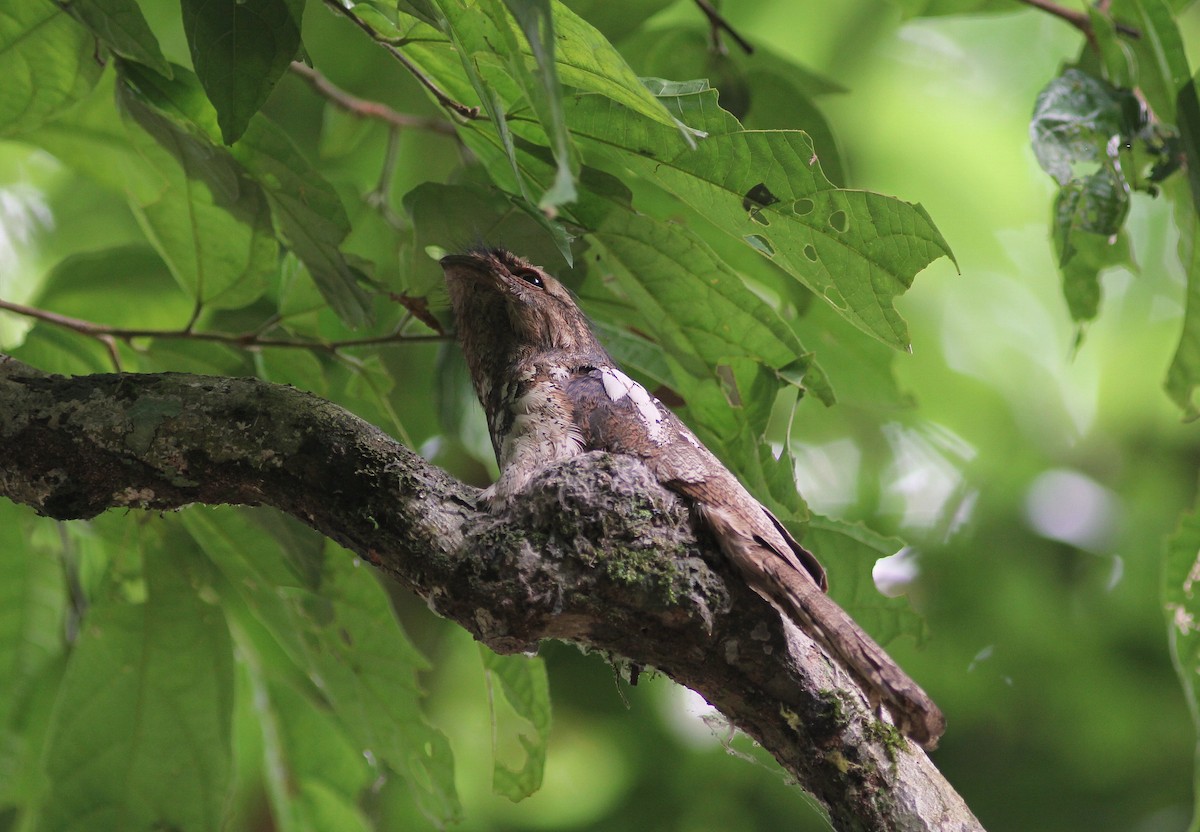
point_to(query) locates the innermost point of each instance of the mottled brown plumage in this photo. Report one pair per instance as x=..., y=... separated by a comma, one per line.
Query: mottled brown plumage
x=551, y=391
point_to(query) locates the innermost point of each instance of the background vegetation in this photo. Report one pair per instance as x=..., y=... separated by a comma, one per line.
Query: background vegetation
x=1026, y=450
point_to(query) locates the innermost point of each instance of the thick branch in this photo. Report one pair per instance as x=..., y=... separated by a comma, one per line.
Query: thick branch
x=597, y=554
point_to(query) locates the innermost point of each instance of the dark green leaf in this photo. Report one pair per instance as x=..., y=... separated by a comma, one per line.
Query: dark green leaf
x=120, y=25
x=695, y=304
x=240, y=48
x=1183, y=376
x=308, y=213
x=1161, y=59
x=47, y=63
x=367, y=667
x=1079, y=122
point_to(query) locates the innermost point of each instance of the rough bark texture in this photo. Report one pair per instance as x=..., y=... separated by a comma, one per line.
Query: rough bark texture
x=596, y=553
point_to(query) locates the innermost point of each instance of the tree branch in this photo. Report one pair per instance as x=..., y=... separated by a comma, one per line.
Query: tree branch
x=1078, y=19
x=597, y=553
x=363, y=108
x=109, y=335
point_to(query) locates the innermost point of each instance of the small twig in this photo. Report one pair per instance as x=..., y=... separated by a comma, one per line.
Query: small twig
x=442, y=98
x=719, y=24
x=109, y=335
x=1077, y=19
x=368, y=109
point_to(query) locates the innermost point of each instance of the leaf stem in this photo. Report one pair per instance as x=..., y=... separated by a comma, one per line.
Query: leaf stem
x=719, y=24
x=1077, y=19
x=363, y=108
x=442, y=98
x=109, y=335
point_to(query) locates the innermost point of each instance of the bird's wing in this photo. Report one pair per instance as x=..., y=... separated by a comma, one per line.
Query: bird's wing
x=616, y=414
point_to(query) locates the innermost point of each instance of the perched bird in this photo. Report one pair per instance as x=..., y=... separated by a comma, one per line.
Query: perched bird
x=551, y=391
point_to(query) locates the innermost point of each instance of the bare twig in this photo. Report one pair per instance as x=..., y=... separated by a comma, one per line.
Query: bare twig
x=109, y=335
x=719, y=24
x=363, y=108
x=442, y=98
x=1077, y=19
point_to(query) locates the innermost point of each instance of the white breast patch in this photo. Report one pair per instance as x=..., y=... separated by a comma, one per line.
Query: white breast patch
x=618, y=385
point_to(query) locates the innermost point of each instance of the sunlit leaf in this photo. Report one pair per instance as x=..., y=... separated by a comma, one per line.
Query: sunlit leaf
x=857, y=250
x=524, y=686
x=221, y=254
x=46, y=61
x=166, y=762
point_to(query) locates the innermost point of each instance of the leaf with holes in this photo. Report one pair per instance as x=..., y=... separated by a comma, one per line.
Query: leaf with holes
x=857, y=250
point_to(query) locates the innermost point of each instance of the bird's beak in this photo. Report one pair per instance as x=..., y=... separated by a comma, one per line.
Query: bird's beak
x=469, y=261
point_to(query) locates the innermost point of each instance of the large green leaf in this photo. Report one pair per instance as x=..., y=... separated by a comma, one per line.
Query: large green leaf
x=47, y=62
x=698, y=308
x=366, y=667
x=544, y=93
x=306, y=209
x=141, y=734
x=309, y=215
x=222, y=254
x=857, y=250
x=524, y=686
x=339, y=630
x=240, y=48
x=32, y=606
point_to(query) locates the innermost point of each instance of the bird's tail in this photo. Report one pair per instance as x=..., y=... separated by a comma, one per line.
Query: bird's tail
x=783, y=578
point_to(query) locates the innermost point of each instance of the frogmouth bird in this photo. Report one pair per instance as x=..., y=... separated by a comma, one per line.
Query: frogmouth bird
x=551, y=391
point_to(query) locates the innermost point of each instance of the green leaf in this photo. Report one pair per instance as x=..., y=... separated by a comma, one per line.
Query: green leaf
x=222, y=254
x=314, y=774
x=849, y=552
x=165, y=763
x=857, y=250
x=524, y=686
x=1079, y=122
x=696, y=306
x=544, y=93
x=1183, y=376
x=345, y=638
x=1181, y=608
x=1161, y=58
x=448, y=216
x=240, y=49
x=123, y=29
x=81, y=285
x=47, y=62
x=588, y=62
x=32, y=608
x=366, y=666
x=309, y=215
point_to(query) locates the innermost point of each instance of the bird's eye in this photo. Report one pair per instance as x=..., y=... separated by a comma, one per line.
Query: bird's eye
x=532, y=277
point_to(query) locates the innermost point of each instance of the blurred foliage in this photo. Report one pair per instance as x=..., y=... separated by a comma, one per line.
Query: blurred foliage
x=167, y=171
